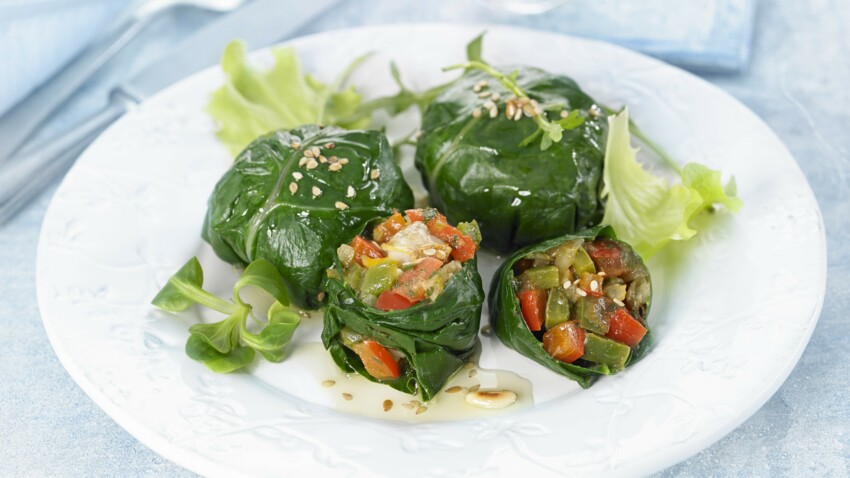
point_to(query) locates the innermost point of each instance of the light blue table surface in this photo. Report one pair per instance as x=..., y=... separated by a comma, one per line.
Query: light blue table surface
x=797, y=82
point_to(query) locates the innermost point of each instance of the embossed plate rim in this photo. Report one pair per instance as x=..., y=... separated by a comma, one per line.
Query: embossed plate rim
x=107, y=390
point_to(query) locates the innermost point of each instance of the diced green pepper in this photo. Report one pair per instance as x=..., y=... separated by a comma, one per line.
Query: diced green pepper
x=349, y=337
x=470, y=229
x=379, y=278
x=604, y=351
x=354, y=275
x=591, y=314
x=557, y=308
x=583, y=262
x=544, y=277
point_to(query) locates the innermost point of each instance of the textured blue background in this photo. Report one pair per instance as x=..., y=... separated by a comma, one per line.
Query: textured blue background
x=797, y=82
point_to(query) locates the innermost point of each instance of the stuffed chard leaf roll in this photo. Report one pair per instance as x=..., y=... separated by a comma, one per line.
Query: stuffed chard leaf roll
x=479, y=157
x=404, y=301
x=576, y=304
x=292, y=196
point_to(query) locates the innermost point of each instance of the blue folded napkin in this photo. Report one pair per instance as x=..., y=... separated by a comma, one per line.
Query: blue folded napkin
x=704, y=36
x=37, y=37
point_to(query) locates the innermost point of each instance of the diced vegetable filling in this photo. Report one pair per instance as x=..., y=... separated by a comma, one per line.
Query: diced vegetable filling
x=409, y=259
x=586, y=300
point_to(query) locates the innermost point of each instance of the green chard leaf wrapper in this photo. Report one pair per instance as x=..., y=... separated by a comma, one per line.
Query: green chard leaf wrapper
x=435, y=337
x=507, y=320
x=254, y=213
x=486, y=168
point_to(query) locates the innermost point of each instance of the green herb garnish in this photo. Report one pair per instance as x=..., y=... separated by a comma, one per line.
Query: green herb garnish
x=228, y=345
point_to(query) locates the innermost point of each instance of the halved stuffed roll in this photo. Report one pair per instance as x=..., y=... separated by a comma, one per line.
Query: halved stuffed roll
x=576, y=304
x=404, y=301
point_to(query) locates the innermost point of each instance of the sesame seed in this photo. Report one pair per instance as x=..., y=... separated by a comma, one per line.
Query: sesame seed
x=320, y=296
x=601, y=274
x=489, y=104
x=510, y=109
x=476, y=88
x=293, y=188
x=454, y=389
x=408, y=406
x=333, y=159
x=468, y=365
x=421, y=409
x=482, y=84
x=581, y=292
x=594, y=285
x=375, y=174
x=308, y=153
x=473, y=373
x=567, y=284
x=303, y=161
x=475, y=387
x=486, y=330
x=323, y=159
x=494, y=112
x=312, y=164
x=619, y=302
x=388, y=405
x=496, y=97
x=295, y=145
x=316, y=191
x=564, y=113
x=316, y=152
x=330, y=146
x=297, y=175
x=347, y=396
x=476, y=113
x=350, y=193
x=328, y=383
x=528, y=110
x=335, y=167
x=485, y=94
x=518, y=114
x=343, y=161
x=415, y=403
x=341, y=205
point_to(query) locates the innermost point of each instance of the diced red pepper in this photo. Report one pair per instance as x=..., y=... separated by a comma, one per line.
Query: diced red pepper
x=607, y=256
x=384, y=231
x=533, y=303
x=415, y=215
x=363, y=247
x=565, y=342
x=377, y=360
x=411, y=284
x=392, y=300
x=625, y=329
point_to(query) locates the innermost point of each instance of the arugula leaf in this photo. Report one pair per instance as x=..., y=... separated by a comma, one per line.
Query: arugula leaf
x=647, y=211
x=227, y=345
x=253, y=102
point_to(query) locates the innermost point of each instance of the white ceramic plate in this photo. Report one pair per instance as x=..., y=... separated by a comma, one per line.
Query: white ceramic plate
x=733, y=309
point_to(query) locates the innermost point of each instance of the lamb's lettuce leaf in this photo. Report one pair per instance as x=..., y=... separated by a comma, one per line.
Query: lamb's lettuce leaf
x=228, y=345
x=253, y=101
x=646, y=210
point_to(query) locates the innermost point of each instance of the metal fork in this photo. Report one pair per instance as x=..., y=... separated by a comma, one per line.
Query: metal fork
x=19, y=123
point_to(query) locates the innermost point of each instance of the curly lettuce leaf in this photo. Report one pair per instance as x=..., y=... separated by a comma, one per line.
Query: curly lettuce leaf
x=646, y=210
x=253, y=102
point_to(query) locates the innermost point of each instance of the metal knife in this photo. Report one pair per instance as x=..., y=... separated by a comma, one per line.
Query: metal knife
x=260, y=23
